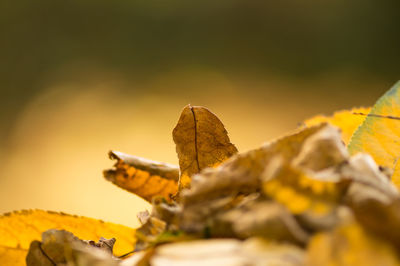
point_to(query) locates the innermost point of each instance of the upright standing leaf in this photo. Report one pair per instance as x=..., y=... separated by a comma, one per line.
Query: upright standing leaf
x=143, y=177
x=380, y=136
x=201, y=141
x=19, y=229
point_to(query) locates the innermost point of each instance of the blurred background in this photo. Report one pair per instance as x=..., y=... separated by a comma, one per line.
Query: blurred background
x=78, y=78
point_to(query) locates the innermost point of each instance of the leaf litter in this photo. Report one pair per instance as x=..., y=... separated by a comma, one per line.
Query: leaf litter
x=300, y=199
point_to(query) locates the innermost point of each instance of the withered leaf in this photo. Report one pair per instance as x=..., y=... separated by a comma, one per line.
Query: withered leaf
x=201, y=141
x=373, y=198
x=261, y=218
x=217, y=190
x=143, y=177
x=19, y=229
x=60, y=247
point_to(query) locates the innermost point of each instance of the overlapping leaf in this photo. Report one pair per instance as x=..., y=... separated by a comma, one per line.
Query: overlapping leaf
x=380, y=136
x=19, y=229
x=347, y=120
x=143, y=177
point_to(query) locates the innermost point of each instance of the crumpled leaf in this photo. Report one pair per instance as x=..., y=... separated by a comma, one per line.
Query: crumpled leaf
x=143, y=177
x=60, y=247
x=201, y=141
x=373, y=198
x=218, y=190
x=260, y=218
x=159, y=226
x=19, y=229
x=322, y=150
x=242, y=172
x=379, y=136
x=254, y=251
x=346, y=120
x=350, y=244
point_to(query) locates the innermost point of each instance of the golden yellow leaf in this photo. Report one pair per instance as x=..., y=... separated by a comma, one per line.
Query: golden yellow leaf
x=19, y=229
x=347, y=245
x=346, y=120
x=143, y=177
x=12, y=256
x=201, y=141
x=379, y=135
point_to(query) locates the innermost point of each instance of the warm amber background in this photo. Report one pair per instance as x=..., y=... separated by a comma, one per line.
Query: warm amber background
x=79, y=78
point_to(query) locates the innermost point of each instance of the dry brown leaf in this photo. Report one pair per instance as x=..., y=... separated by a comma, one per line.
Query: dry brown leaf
x=60, y=247
x=201, y=141
x=350, y=244
x=143, y=177
x=261, y=218
x=19, y=229
x=322, y=150
x=373, y=198
x=346, y=120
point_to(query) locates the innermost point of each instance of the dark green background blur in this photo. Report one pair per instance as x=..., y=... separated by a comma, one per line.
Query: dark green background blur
x=69, y=68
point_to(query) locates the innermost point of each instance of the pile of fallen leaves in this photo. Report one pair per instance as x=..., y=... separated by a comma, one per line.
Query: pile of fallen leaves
x=321, y=195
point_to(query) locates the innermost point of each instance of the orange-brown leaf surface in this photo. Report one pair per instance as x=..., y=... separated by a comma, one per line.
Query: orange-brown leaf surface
x=19, y=229
x=143, y=177
x=201, y=141
x=346, y=120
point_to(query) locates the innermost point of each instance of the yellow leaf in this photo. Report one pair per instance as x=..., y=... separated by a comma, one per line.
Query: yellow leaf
x=201, y=141
x=143, y=177
x=12, y=256
x=380, y=136
x=19, y=229
x=350, y=245
x=346, y=120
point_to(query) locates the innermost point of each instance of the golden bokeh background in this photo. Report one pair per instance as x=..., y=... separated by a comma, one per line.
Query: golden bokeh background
x=80, y=78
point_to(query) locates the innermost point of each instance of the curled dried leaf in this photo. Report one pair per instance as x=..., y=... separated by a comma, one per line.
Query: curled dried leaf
x=201, y=141
x=143, y=177
x=60, y=247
